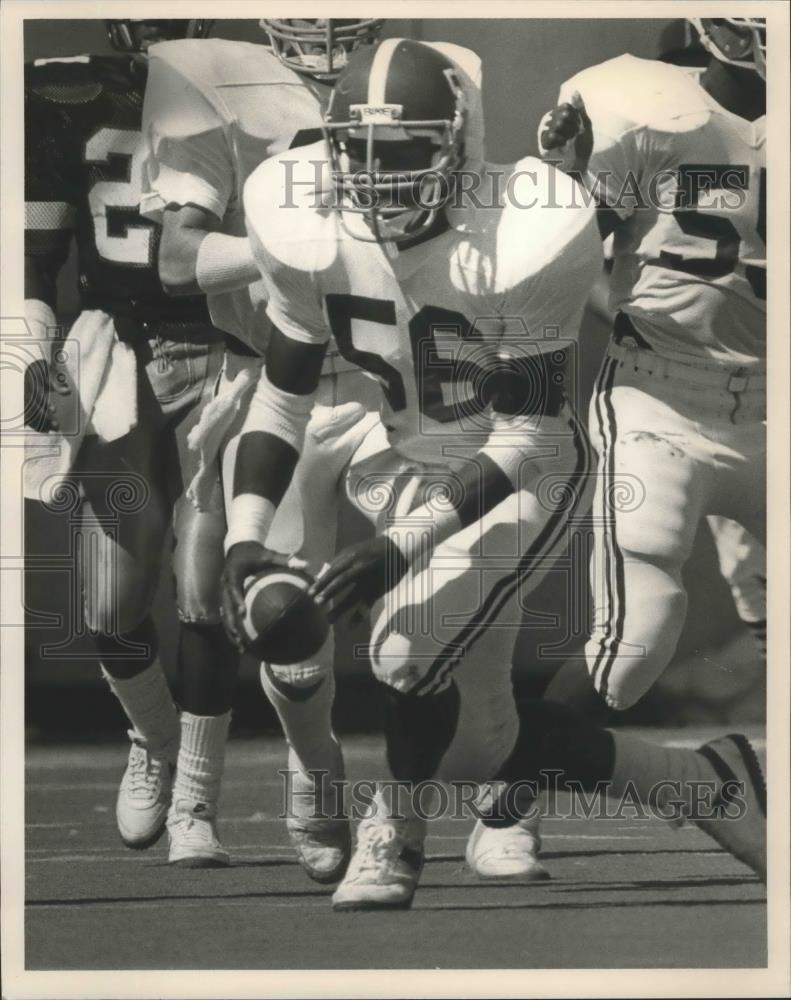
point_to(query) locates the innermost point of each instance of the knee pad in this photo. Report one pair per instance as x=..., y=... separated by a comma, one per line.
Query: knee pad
x=394, y=664
x=197, y=566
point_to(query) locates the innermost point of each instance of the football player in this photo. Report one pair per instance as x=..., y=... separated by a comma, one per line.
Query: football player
x=83, y=182
x=423, y=308
x=214, y=110
x=676, y=159
x=460, y=308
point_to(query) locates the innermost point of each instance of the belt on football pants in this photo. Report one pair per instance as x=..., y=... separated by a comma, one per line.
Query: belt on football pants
x=647, y=360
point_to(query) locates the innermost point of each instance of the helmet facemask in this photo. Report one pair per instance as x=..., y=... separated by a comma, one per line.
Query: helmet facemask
x=397, y=174
x=319, y=48
x=138, y=35
x=737, y=41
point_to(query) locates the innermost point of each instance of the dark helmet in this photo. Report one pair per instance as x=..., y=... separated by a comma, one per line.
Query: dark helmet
x=395, y=126
x=319, y=48
x=136, y=35
x=738, y=41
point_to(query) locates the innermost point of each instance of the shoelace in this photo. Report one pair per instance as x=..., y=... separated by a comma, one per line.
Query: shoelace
x=515, y=845
x=142, y=769
x=375, y=844
x=196, y=828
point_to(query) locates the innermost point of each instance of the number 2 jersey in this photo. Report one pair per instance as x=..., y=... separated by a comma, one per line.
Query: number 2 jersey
x=432, y=320
x=687, y=179
x=83, y=175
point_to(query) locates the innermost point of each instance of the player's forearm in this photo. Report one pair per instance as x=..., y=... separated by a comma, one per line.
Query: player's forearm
x=498, y=469
x=195, y=259
x=478, y=488
x=272, y=436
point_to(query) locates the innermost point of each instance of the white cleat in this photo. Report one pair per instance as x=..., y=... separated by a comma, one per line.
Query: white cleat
x=507, y=852
x=385, y=867
x=319, y=832
x=739, y=825
x=192, y=832
x=141, y=808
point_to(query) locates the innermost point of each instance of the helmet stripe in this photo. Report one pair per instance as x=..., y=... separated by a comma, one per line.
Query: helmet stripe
x=377, y=79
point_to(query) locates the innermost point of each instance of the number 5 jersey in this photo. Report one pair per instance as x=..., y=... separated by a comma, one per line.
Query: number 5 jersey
x=688, y=180
x=83, y=178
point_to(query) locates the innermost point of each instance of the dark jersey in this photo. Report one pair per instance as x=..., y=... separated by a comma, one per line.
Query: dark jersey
x=83, y=178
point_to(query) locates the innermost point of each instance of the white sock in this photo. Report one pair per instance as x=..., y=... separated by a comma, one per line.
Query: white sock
x=305, y=714
x=148, y=704
x=201, y=760
x=648, y=770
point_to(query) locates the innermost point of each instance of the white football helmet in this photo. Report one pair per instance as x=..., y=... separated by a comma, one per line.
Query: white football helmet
x=738, y=41
x=319, y=48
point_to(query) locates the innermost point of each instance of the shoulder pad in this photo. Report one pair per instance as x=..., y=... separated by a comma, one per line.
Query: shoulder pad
x=544, y=213
x=283, y=200
x=217, y=62
x=627, y=93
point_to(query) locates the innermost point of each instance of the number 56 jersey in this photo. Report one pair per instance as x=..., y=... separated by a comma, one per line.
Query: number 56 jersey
x=688, y=179
x=499, y=278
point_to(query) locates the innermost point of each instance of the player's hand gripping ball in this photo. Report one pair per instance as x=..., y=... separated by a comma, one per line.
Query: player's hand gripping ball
x=283, y=623
x=266, y=607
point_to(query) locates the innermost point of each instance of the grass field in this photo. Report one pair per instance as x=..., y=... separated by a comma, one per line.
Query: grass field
x=623, y=894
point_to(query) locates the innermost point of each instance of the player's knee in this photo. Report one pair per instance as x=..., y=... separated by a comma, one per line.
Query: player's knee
x=197, y=567
x=394, y=663
x=116, y=611
x=629, y=651
x=197, y=605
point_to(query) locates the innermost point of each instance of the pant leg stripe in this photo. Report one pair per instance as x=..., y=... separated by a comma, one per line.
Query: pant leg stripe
x=620, y=589
x=507, y=585
x=607, y=370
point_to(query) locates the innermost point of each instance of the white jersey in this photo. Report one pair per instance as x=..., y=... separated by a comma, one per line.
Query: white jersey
x=426, y=319
x=689, y=179
x=214, y=109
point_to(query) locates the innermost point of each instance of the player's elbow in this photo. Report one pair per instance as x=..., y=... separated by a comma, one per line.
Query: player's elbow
x=182, y=233
x=176, y=275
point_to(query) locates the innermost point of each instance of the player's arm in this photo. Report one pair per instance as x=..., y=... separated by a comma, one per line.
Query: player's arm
x=274, y=427
x=188, y=176
x=365, y=571
x=49, y=227
x=566, y=137
x=267, y=454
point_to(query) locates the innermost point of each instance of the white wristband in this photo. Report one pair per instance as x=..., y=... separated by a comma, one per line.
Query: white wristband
x=224, y=263
x=249, y=520
x=40, y=319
